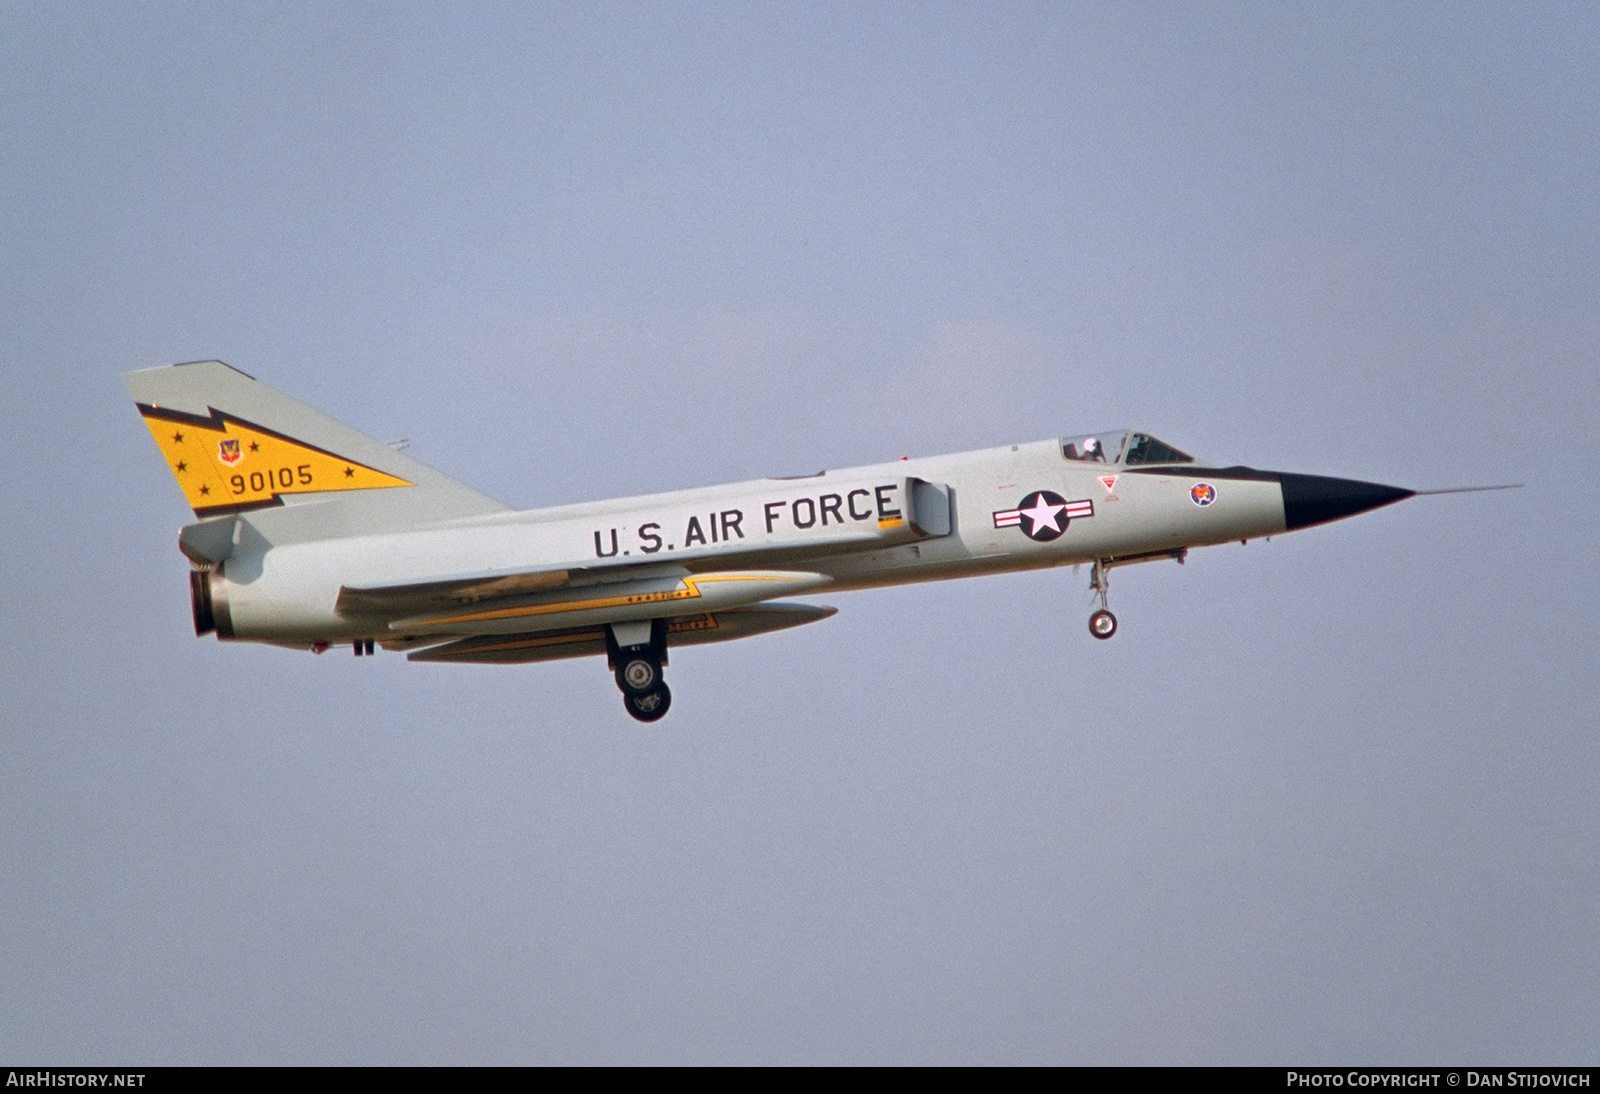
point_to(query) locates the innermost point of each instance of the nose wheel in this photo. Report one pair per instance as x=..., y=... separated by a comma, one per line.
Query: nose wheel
x=1102, y=624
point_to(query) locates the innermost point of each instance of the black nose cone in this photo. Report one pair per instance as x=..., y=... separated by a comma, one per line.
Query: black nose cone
x=1314, y=499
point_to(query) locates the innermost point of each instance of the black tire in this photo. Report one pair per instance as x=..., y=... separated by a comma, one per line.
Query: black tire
x=1102, y=624
x=650, y=706
x=638, y=675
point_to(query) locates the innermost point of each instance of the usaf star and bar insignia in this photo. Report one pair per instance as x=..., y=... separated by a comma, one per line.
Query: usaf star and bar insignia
x=1043, y=515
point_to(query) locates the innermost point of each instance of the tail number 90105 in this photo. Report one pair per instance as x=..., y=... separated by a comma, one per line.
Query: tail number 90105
x=283, y=478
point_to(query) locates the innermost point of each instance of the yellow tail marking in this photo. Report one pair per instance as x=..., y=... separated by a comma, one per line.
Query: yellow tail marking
x=223, y=464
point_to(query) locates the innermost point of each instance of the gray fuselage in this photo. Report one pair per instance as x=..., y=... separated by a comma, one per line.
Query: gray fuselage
x=1019, y=507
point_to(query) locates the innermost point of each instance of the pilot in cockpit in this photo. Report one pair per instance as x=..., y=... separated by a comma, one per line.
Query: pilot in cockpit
x=1087, y=449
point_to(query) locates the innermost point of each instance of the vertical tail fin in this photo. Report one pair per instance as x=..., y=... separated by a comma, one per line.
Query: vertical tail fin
x=237, y=446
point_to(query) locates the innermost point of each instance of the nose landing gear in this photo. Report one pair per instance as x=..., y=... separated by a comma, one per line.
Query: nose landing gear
x=1102, y=624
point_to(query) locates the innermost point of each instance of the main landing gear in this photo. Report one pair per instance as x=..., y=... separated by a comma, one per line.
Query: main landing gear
x=636, y=651
x=1102, y=624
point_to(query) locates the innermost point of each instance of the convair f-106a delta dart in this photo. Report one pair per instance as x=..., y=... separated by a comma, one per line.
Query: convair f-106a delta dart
x=311, y=534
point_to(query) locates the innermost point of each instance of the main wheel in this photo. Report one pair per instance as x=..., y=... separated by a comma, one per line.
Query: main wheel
x=637, y=675
x=1102, y=624
x=650, y=705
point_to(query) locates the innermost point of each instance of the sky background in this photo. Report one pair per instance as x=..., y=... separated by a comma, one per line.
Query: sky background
x=1325, y=799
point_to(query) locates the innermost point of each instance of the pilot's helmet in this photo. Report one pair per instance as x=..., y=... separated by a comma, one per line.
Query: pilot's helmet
x=1090, y=446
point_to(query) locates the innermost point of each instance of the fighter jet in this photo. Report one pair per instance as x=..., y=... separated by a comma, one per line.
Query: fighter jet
x=310, y=534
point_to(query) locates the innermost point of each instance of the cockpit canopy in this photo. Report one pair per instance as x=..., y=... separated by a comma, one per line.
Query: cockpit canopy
x=1122, y=447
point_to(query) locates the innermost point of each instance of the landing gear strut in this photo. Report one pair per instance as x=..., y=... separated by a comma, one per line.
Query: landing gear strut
x=636, y=651
x=1102, y=624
